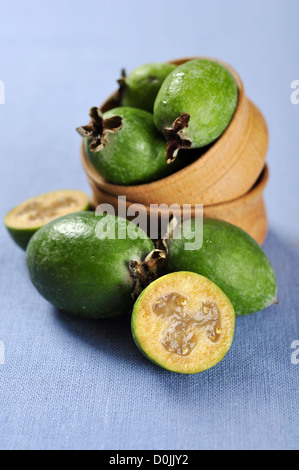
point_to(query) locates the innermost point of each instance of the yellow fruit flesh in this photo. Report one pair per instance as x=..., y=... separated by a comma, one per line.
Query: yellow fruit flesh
x=40, y=210
x=184, y=322
x=183, y=327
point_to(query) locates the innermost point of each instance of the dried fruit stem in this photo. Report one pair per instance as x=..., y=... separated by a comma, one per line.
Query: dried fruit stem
x=122, y=85
x=173, y=138
x=161, y=244
x=99, y=128
x=145, y=272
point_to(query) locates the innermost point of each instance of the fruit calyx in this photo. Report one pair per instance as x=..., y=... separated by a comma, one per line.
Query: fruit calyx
x=144, y=272
x=99, y=128
x=122, y=85
x=162, y=243
x=174, y=139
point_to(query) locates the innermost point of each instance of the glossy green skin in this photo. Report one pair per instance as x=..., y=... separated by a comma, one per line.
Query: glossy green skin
x=142, y=85
x=232, y=260
x=80, y=273
x=204, y=89
x=21, y=237
x=135, y=153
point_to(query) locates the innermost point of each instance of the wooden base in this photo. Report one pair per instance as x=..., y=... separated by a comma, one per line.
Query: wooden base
x=247, y=212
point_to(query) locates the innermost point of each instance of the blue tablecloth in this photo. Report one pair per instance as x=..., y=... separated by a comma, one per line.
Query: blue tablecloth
x=72, y=384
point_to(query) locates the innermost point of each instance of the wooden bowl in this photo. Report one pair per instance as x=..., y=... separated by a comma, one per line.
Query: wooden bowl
x=247, y=211
x=226, y=171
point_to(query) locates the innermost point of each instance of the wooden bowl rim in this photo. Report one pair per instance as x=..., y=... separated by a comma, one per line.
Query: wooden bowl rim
x=201, y=161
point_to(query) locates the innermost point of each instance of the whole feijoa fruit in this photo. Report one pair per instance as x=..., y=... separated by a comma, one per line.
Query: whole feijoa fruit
x=183, y=322
x=230, y=258
x=25, y=219
x=195, y=104
x=125, y=147
x=81, y=263
x=140, y=88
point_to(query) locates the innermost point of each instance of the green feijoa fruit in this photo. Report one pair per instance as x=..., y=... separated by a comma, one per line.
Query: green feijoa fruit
x=80, y=263
x=125, y=147
x=183, y=322
x=25, y=219
x=230, y=258
x=140, y=88
x=195, y=104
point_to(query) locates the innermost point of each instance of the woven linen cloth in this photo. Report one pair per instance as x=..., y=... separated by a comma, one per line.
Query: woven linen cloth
x=67, y=383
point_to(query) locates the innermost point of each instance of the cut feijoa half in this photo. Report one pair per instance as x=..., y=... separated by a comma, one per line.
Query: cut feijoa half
x=183, y=322
x=29, y=216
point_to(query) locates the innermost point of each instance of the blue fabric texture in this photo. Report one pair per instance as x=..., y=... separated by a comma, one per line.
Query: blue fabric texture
x=66, y=383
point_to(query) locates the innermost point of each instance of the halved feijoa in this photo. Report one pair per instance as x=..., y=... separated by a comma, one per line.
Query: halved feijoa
x=29, y=216
x=183, y=322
